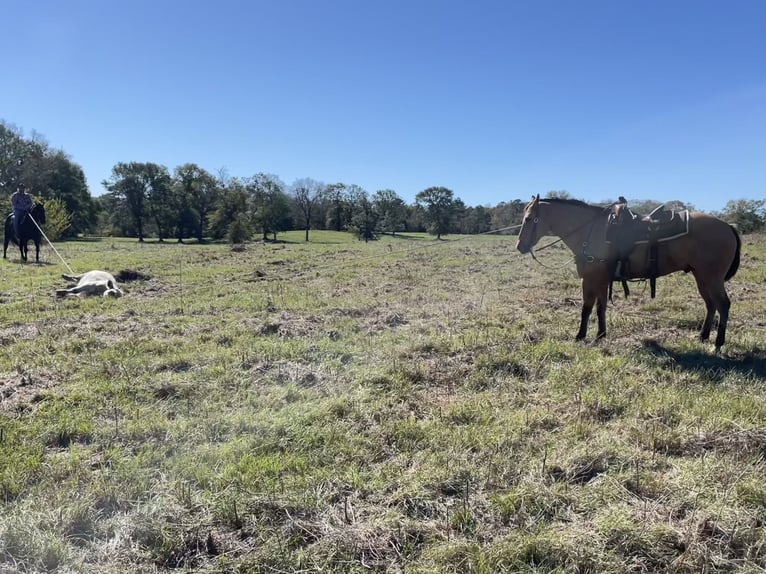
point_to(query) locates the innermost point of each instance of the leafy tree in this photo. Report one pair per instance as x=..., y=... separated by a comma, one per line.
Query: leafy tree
x=113, y=217
x=133, y=183
x=233, y=206
x=271, y=205
x=12, y=154
x=749, y=215
x=364, y=217
x=57, y=219
x=476, y=220
x=507, y=215
x=646, y=206
x=160, y=198
x=48, y=173
x=307, y=193
x=391, y=210
x=198, y=191
x=66, y=182
x=336, y=206
x=438, y=204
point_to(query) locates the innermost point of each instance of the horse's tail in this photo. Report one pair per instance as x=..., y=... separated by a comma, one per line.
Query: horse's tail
x=735, y=262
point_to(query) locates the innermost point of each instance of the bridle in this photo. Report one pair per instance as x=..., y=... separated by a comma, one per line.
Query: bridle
x=584, y=253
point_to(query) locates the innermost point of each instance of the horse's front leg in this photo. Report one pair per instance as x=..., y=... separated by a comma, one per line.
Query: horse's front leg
x=593, y=292
x=588, y=299
x=601, y=315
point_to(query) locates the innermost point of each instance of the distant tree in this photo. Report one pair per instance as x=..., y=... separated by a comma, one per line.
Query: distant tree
x=57, y=219
x=507, y=215
x=364, y=218
x=113, y=216
x=644, y=206
x=233, y=206
x=559, y=194
x=307, y=193
x=66, y=182
x=128, y=185
x=161, y=198
x=391, y=210
x=48, y=173
x=438, y=205
x=13, y=151
x=198, y=191
x=271, y=205
x=415, y=218
x=337, y=209
x=749, y=215
x=476, y=220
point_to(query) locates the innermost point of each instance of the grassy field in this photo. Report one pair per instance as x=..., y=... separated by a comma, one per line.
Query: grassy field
x=404, y=405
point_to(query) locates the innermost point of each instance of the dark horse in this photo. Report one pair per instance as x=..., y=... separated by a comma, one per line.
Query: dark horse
x=710, y=251
x=28, y=230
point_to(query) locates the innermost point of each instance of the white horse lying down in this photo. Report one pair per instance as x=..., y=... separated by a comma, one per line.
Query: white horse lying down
x=99, y=283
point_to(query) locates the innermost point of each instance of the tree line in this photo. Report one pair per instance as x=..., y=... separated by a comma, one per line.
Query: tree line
x=145, y=199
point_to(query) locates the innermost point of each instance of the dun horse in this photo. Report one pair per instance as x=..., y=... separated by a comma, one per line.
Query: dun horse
x=28, y=230
x=709, y=249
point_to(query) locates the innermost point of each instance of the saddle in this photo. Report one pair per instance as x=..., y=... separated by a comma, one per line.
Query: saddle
x=625, y=231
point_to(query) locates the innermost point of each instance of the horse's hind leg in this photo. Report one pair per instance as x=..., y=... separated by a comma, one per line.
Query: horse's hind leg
x=710, y=306
x=723, y=304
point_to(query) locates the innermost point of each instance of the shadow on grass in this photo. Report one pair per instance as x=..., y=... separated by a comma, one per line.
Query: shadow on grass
x=752, y=363
x=19, y=261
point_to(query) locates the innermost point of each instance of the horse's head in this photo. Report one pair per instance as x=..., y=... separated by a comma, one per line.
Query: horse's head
x=38, y=212
x=533, y=227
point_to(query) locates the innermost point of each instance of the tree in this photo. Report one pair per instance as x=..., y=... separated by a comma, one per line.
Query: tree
x=391, y=210
x=438, y=204
x=57, y=219
x=336, y=206
x=233, y=206
x=306, y=194
x=198, y=193
x=271, y=205
x=749, y=215
x=48, y=173
x=507, y=215
x=364, y=217
x=476, y=220
x=161, y=198
x=133, y=183
x=66, y=182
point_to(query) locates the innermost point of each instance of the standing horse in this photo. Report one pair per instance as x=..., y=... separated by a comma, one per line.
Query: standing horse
x=710, y=251
x=28, y=230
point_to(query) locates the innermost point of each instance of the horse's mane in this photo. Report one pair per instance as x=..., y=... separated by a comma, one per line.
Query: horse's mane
x=574, y=202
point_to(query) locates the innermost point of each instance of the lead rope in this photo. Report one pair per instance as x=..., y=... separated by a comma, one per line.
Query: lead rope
x=51, y=244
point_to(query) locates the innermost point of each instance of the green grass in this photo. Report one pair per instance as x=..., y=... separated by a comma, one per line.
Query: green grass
x=404, y=405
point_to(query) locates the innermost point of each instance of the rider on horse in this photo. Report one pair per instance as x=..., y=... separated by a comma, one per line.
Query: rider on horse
x=22, y=204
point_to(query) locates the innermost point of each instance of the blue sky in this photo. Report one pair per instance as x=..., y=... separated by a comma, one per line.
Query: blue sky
x=494, y=99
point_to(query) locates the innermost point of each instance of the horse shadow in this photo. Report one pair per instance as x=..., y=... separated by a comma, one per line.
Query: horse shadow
x=20, y=261
x=715, y=367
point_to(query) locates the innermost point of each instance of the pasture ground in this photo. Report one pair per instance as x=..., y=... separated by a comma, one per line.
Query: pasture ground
x=404, y=405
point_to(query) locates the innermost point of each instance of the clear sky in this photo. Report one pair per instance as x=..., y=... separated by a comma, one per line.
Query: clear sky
x=494, y=99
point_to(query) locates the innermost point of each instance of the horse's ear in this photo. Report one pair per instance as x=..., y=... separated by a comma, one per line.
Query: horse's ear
x=537, y=197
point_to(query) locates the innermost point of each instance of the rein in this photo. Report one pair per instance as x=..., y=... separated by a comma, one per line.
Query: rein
x=590, y=222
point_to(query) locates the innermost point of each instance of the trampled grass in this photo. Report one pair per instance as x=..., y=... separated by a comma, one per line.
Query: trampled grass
x=403, y=405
